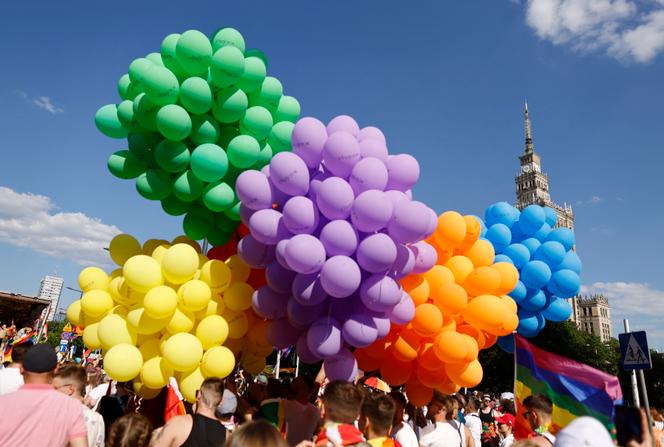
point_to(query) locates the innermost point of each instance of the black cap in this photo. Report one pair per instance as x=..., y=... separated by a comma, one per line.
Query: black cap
x=40, y=358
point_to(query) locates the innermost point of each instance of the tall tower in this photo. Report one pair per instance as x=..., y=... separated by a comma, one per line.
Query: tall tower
x=50, y=289
x=532, y=185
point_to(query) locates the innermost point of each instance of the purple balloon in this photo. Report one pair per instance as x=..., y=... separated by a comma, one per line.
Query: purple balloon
x=268, y=304
x=307, y=290
x=335, y=198
x=425, y=256
x=341, y=367
x=301, y=316
x=383, y=325
x=372, y=133
x=254, y=253
x=308, y=139
x=267, y=226
x=324, y=337
x=289, y=174
x=359, y=330
x=280, y=253
x=303, y=351
x=404, y=264
x=339, y=238
x=340, y=310
x=278, y=196
x=376, y=253
x=305, y=253
x=282, y=334
x=253, y=189
x=317, y=179
x=403, y=312
x=410, y=222
x=371, y=211
x=380, y=293
x=368, y=173
x=373, y=148
x=245, y=214
x=279, y=278
x=403, y=171
x=343, y=123
x=340, y=153
x=340, y=276
x=300, y=215
x=433, y=222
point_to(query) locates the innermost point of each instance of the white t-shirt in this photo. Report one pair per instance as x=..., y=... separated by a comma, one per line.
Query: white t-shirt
x=301, y=421
x=507, y=441
x=405, y=435
x=95, y=424
x=442, y=434
x=10, y=380
x=474, y=424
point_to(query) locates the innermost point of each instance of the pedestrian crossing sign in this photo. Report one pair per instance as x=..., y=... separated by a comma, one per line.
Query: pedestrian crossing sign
x=634, y=352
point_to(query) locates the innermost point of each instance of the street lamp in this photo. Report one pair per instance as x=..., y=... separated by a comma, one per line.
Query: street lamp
x=75, y=290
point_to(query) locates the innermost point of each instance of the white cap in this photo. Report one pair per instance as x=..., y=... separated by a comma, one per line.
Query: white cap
x=584, y=431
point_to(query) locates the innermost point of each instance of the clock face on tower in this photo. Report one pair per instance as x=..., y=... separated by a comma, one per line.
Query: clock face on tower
x=525, y=168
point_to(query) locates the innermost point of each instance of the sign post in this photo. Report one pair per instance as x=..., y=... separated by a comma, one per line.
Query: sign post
x=632, y=375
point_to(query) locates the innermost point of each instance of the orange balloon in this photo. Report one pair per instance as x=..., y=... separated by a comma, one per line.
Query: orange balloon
x=510, y=303
x=377, y=349
x=509, y=276
x=417, y=287
x=472, y=349
x=481, y=253
x=473, y=332
x=406, y=345
x=509, y=325
x=465, y=374
x=482, y=281
x=448, y=387
x=437, y=276
x=394, y=371
x=365, y=362
x=429, y=378
x=427, y=320
x=449, y=324
x=427, y=358
x=491, y=340
x=460, y=266
x=451, y=229
x=451, y=347
x=485, y=312
x=444, y=253
x=418, y=394
x=451, y=299
x=473, y=230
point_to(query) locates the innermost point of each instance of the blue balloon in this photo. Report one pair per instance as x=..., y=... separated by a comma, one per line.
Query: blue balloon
x=551, y=252
x=501, y=212
x=502, y=258
x=506, y=343
x=535, y=300
x=558, y=310
x=482, y=225
x=517, y=234
x=529, y=323
x=531, y=219
x=518, y=253
x=519, y=292
x=571, y=262
x=551, y=216
x=563, y=235
x=543, y=232
x=564, y=283
x=535, y=274
x=532, y=244
x=500, y=236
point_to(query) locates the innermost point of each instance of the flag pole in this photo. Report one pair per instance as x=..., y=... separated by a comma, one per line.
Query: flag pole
x=635, y=389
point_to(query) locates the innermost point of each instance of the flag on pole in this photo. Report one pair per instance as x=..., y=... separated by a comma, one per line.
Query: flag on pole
x=575, y=388
x=174, y=406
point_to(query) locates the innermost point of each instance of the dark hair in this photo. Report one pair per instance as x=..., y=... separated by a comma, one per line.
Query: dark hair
x=18, y=352
x=274, y=388
x=74, y=373
x=258, y=433
x=398, y=398
x=473, y=403
x=539, y=402
x=131, y=430
x=379, y=409
x=342, y=401
x=441, y=401
x=507, y=406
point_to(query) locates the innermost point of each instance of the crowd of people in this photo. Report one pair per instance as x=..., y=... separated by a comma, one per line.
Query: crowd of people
x=46, y=403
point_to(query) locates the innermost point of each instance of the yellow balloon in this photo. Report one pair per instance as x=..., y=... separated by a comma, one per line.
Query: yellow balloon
x=115, y=273
x=202, y=259
x=162, y=341
x=185, y=240
x=156, y=372
x=183, y=351
x=90, y=336
x=92, y=278
x=114, y=330
x=217, y=274
x=159, y=252
x=74, y=313
x=238, y=296
x=143, y=391
x=189, y=383
x=218, y=362
x=123, y=362
x=253, y=364
x=119, y=310
x=142, y=273
x=96, y=303
x=123, y=247
x=214, y=307
x=143, y=323
x=182, y=321
x=240, y=271
x=238, y=325
x=179, y=263
x=160, y=302
x=126, y=295
x=194, y=295
x=150, y=347
x=114, y=287
x=150, y=245
x=212, y=331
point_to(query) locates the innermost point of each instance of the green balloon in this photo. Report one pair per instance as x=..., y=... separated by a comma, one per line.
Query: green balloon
x=257, y=122
x=253, y=76
x=196, y=95
x=209, y=162
x=172, y=156
x=188, y=187
x=193, y=52
x=218, y=196
x=217, y=238
x=233, y=173
x=173, y=122
x=230, y=105
x=243, y=151
x=161, y=85
x=254, y=52
x=280, y=136
x=154, y=184
x=226, y=134
x=126, y=116
x=155, y=58
x=224, y=223
x=268, y=95
x=227, y=66
x=197, y=223
x=167, y=51
x=137, y=70
x=143, y=145
x=125, y=165
x=127, y=89
x=233, y=213
x=174, y=206
x=288, y=109
x=228, y=37
x=204, y=129
x=108, y=123
x=264, y=157
x=145, y=111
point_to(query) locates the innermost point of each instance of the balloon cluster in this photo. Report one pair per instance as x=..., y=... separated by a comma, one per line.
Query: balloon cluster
x=548, y=266
x=196, y=115
x=459, y=305
x=335, y=228
x=169, y=311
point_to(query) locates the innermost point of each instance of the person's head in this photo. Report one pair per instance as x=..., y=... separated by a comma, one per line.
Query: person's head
x=70, y=380
x=537, y=410
x=461, y=401
x=274, y=389
x=507, y=406
x=377, y=415
x=442, y=407
x=585, y=431
x=131, y=430
x=210, y=394
x=18, y=354
x=258, y=433
x=342, y=402
x=301, y=388
x=486, y=400
x=473, y=404
x=228, y=405
x=400, y=404
x=39, y=363
x=505, y=424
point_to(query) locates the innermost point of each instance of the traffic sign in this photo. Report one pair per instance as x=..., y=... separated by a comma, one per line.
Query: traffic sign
x=634, y=352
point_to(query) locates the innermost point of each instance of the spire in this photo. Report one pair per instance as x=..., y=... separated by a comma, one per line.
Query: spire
x=529, y=136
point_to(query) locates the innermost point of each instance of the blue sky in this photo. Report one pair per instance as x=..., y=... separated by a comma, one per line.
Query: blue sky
x=445, y=81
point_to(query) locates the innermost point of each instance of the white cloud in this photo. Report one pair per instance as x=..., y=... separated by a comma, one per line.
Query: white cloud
x=629, y=30
x=42, y=102
x=33, y=221
x=593, y=200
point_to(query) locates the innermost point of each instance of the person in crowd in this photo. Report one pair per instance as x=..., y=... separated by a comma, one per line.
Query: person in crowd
x=507, y=406
x=342, y=402
x=376, y=419
x=10, y=378
x=200, y=429
x=301, y=415
x=259, y=433
x=271, y=408
x=71, y=380
x=538, y=409
x=461, y=403
x=473, y=421
x=131, y=430
x=402, y=432
x=441, y=433
x=505, y=428
x=226, y=410
x=488, y=415
x=37, y=412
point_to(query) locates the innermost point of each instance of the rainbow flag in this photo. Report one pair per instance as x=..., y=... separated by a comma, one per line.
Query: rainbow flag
x=575, y=389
